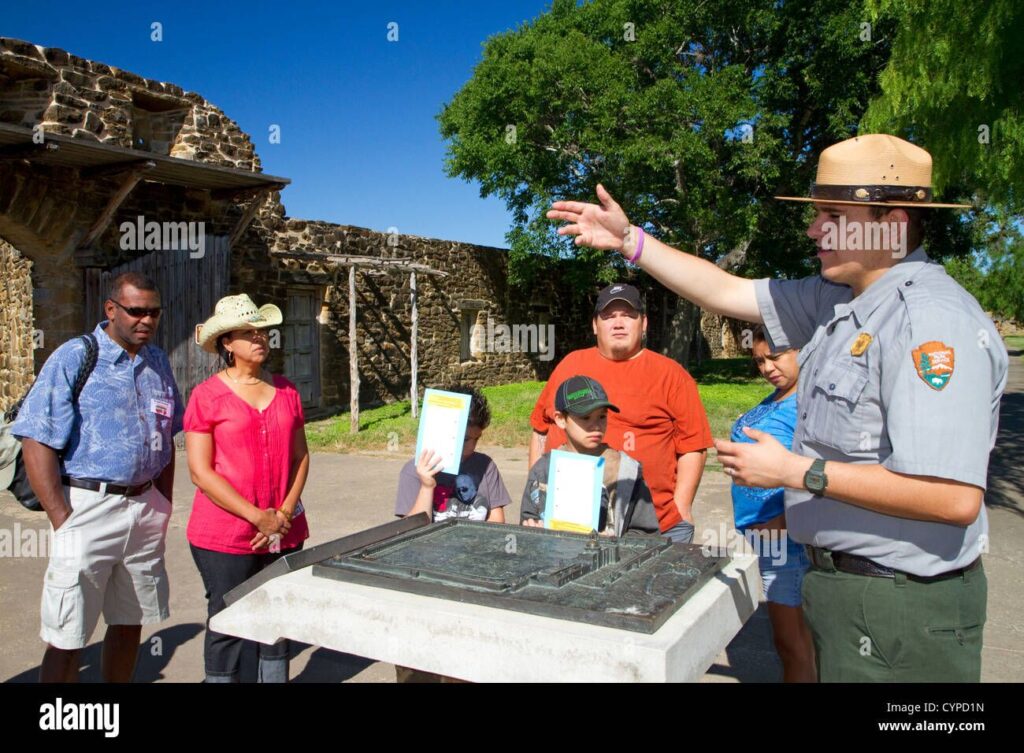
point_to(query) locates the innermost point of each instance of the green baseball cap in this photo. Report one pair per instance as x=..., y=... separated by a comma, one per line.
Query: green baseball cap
x=580, y=394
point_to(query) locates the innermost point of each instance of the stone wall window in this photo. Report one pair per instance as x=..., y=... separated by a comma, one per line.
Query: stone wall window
x=543, y=320
x=25, y=92
x=156, y=122
x=467, y=346
x=473, y=317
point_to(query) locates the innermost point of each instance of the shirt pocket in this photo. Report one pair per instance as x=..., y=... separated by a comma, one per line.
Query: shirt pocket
x=834, y=416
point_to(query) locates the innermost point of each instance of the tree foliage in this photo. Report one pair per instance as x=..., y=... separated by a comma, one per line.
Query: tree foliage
x=954, y=83
x=994, y=272
x=693, y=114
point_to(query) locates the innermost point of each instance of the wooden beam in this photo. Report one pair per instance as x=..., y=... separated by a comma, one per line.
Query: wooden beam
x=117, y=168
x=363, y=262
x=27, y=151
x=413, y=390
x=127, y=184
x=247, y=216
x=353, y=354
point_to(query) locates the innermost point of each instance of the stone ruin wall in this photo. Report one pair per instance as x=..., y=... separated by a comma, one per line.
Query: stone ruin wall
x=46, y=210
x=477, y=281
x=85, y=99
x=16, y=332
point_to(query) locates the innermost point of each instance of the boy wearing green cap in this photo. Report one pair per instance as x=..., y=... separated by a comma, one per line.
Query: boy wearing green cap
x=581, y=411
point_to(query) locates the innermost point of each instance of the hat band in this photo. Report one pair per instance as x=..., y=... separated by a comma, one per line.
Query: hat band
x=922, y=194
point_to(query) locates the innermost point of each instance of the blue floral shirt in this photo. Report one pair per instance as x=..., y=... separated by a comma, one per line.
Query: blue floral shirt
x=128, y=413
x=752, y=505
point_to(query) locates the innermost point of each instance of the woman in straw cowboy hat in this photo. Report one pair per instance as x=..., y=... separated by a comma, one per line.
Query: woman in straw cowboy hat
x=248, y=458
x=900, y=378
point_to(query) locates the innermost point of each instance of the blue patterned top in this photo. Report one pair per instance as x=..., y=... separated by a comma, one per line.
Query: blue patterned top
x=752, y=505
x=127, y=416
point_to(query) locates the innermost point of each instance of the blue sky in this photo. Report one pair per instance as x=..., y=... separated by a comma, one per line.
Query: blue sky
x=359, y=138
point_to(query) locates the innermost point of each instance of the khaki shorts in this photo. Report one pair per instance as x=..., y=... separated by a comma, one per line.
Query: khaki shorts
x=107, y=557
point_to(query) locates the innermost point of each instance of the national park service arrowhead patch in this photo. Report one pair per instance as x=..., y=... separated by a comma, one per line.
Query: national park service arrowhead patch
x=934, y=363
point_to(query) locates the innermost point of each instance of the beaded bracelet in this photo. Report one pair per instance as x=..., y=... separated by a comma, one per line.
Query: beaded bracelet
x=639, y=246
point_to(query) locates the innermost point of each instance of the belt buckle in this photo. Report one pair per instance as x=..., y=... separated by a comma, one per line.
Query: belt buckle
x=819, y=560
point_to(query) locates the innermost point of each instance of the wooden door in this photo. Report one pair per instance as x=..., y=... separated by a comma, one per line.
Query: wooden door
x=189, y=289
x=301, y=341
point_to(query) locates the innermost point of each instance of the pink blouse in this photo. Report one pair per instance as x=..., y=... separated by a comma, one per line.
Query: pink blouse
x=253, y=451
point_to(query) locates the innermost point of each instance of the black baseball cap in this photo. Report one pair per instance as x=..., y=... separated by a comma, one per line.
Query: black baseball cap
x=580, y=394
x=618, y=291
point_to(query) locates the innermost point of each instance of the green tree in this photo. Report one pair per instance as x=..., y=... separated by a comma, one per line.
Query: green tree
x=693, y=114
x=954, y=84
x=994, y=272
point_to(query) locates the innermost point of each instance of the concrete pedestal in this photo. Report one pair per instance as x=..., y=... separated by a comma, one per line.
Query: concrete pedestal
x=484, y=644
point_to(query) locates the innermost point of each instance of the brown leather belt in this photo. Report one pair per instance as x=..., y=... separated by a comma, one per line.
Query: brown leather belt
x=96, y=486
x=857, y=565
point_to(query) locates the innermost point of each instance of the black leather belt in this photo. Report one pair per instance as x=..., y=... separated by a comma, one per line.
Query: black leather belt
x=95, y=486
x=857, y=565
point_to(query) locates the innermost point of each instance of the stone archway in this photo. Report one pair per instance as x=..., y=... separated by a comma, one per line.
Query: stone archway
x=41, y=302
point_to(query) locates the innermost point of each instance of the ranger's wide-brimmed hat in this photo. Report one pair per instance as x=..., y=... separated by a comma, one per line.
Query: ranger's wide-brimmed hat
x=875, y=170
x=235, y=312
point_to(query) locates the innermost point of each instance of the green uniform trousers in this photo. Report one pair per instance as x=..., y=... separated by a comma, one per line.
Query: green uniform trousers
x=872, y=629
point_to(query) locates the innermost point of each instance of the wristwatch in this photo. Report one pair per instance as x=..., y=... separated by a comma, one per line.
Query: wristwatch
x=815, y=479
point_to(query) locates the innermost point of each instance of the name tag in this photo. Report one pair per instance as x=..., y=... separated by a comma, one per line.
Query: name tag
x=161, y=407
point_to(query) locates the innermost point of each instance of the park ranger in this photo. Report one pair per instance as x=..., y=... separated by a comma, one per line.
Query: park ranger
x=901, y=373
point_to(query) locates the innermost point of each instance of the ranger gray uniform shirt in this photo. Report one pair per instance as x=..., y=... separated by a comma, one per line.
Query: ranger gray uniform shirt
x=909, y=375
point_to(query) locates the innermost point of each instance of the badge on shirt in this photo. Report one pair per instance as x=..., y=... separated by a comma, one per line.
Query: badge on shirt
x=861, y=344
x=161, y=407
x=934, y=363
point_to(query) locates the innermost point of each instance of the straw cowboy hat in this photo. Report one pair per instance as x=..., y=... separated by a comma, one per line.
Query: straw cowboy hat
x=874, y=170
x=235, y=312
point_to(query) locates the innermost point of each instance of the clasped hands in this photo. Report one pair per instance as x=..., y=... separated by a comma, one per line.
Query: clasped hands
x=270, y=524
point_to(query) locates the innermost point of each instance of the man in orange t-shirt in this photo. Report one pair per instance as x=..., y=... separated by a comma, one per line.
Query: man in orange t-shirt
x=662, y=422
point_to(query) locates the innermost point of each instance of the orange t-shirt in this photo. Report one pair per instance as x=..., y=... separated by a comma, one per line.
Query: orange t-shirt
x=661, y=415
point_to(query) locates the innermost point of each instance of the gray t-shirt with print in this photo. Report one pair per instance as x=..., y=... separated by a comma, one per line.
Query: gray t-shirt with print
x=472, y=493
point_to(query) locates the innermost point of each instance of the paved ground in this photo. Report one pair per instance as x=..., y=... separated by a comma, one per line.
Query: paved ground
x=348, y=493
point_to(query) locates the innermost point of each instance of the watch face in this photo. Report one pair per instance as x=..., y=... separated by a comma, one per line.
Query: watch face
x=815, y=481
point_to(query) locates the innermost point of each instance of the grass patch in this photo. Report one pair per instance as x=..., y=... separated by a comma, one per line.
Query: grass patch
x=1015, y=342
x=725, y=385
x=392, y=427
x=724, y=403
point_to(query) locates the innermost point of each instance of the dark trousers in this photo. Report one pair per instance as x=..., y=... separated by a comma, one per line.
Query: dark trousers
x=871, y=629
x=222, y=653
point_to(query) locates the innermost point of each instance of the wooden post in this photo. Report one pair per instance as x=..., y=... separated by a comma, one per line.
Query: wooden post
x=413, y=389
x=353, y=353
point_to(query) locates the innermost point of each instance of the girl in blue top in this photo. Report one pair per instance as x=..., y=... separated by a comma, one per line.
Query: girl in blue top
x=760, y=516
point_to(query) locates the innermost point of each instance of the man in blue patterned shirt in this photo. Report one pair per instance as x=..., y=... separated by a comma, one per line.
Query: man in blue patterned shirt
x=103, y=471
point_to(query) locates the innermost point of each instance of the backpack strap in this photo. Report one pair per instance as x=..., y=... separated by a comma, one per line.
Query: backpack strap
x=92, y=351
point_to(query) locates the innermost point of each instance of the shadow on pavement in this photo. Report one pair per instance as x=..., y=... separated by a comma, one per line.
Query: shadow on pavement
x=751, y=655
x=325, y=665
x=155, y=653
